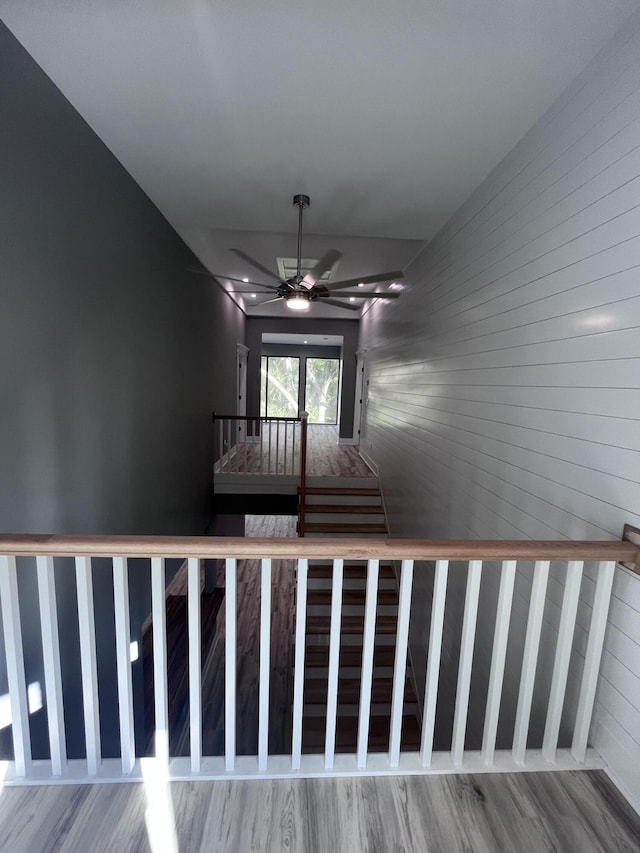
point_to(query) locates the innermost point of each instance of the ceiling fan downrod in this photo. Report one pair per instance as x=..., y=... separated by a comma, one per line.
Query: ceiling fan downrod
x=300, y=201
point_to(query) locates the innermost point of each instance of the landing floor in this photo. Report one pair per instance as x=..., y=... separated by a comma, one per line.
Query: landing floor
x=528, y=813
x=325, y=457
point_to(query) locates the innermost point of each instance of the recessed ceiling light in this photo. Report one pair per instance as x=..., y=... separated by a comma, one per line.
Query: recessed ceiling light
x=253, y=295
x=352, y=299
x=305, y=342
x=246, y=280
x=361, y=284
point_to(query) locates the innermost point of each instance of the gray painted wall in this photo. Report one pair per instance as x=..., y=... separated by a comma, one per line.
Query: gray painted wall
x=256, y=326
x=112, y=359
x=503, y=397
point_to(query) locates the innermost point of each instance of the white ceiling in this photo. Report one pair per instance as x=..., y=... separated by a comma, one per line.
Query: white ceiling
x=388, y=114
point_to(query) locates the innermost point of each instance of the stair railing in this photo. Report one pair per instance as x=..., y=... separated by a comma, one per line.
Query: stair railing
x=251, y=445
x=496, y=563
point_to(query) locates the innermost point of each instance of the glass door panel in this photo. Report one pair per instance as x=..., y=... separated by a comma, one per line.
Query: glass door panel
x=279, y=384
x=322, y=390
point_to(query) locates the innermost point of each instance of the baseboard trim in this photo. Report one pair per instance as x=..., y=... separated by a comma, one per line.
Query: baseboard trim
x=369, y=461
x=354, y=442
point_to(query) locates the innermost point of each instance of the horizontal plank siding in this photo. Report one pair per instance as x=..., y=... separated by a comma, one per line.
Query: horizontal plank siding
x=509, y=404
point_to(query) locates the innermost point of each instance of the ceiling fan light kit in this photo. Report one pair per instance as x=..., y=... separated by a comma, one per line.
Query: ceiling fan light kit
x=297, y=302
x=300, y=291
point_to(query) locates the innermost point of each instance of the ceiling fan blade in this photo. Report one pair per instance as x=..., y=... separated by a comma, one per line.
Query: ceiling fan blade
x=367, y=279
x=229, y=278
x=355, y=295
x=255, y=264
x=325, y=263
x=267, y=301
x=335, y=302
x=242, y=281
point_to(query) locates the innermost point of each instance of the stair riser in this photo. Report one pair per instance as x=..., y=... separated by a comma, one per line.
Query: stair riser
x=351, y=610
x=377, y=710
x=347, y=672
x=326, y=583
x=354, y=640
x=344, y=500
x=343, y=518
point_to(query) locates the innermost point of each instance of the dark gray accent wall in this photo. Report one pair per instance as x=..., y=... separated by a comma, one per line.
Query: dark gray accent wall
x=112, y=356
x=257, y=326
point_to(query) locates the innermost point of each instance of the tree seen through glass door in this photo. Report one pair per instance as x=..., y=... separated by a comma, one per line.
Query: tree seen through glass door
x=322, y=390
x=280, y=381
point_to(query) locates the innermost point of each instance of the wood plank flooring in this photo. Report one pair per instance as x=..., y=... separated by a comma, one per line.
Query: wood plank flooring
x=325, y=457
x=527, y=813
x=248, y=633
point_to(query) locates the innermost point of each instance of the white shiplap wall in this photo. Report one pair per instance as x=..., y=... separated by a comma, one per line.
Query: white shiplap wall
x=504, y=387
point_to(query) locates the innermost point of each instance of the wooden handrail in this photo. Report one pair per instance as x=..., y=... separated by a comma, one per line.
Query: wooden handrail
x=355, y=549
x=253, y=418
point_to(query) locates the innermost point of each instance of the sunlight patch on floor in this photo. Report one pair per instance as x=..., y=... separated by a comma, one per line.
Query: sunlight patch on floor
x=159, y=815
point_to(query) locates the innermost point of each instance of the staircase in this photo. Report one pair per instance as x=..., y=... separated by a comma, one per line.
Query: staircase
x=346, y=507
x=342, y=506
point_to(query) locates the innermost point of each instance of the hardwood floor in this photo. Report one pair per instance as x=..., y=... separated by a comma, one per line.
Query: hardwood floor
x=527, y=813
x=325, y=457
x=247, y=675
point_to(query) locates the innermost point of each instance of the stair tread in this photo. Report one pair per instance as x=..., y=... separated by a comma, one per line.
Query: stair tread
x=353, y=597
x=315, y=690
x=314, y=728
x=318, y=656
x=351, y=571
x=350, y=624
x=319, y=527
x=331, y=490
x=344, y=509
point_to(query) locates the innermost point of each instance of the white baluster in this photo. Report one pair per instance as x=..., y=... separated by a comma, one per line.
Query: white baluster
x=265, y=661
x=601, y=601
x=400, y=664
x=294, y=467
x=15, y=665
x=159, y=623
x=51, y=661
x=530, y=659
x=195, y=664
x=268, y=424
x=286, y=446
x=334, y=664
x=298, y=671
x=277, y=447
x=221, y=443
x=433, y=661
x=230, y=665
x=368, y=645
x=123, y=660
x=88, y=664
x=262, y=425
x=561, y=663
x=466, y=660
x=498, y=657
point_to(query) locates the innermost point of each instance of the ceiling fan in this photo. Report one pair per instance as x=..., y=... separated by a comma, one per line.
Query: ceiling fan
x=301, y=290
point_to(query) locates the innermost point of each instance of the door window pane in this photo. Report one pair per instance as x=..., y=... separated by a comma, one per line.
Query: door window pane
x=280, y=379
x=322, y=391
